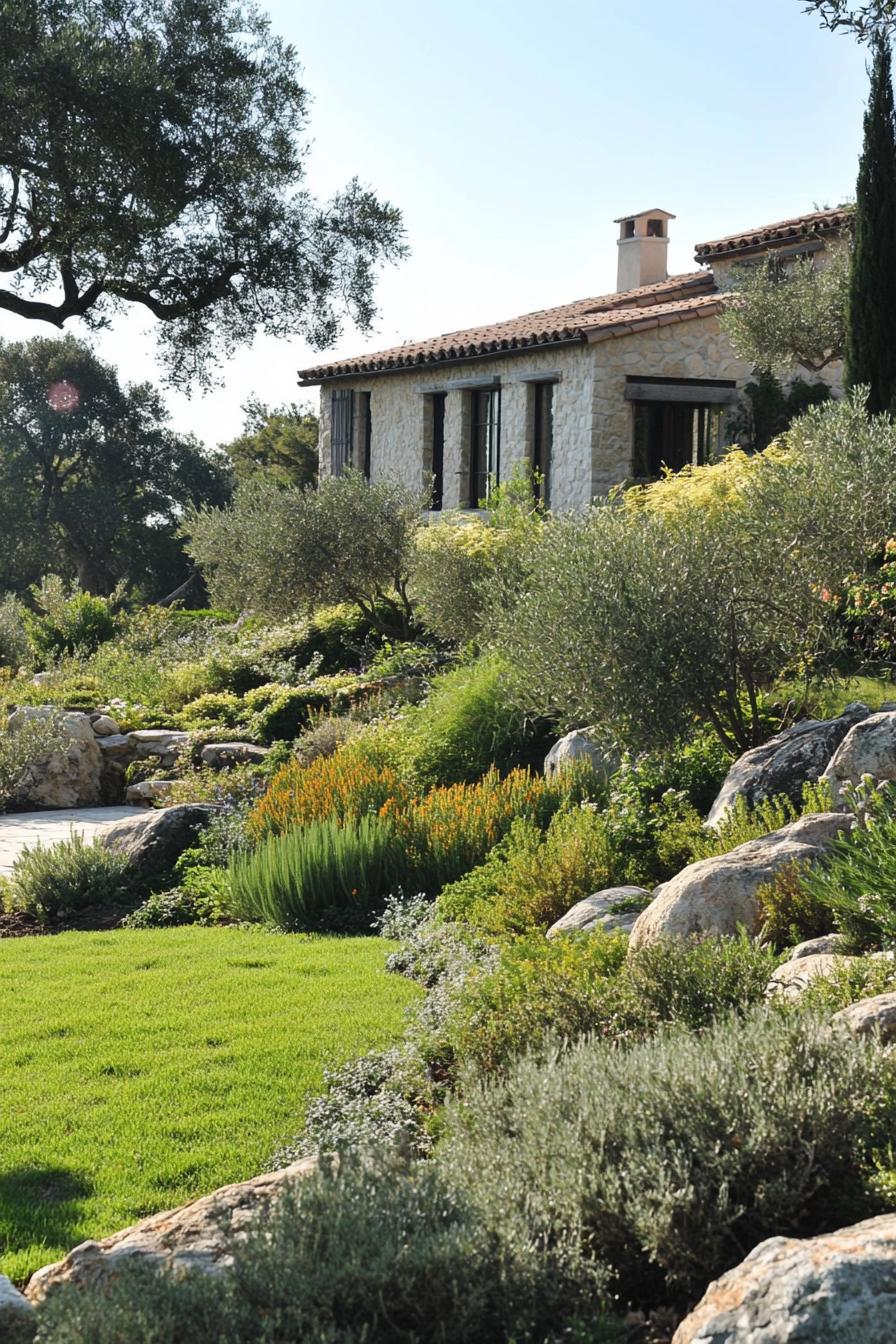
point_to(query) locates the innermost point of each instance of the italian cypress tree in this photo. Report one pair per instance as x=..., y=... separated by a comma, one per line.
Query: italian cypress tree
x=871, y=313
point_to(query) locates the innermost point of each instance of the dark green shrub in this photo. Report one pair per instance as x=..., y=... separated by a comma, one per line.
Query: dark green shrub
x=68, y=622
x=199, y=899
x=467, y=725
x=670, y=1160
x=67, y=877
x=533, y=877
x=324, y=875
x=856, y=878
x=279, y=713
x=584, y=984
x=788, y=913
x=15, y=647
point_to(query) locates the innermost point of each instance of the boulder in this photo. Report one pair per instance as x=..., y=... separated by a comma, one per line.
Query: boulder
x=823, y=1290
x=115, y=747
x=199, y=1236
x=718, y=895
x=574, y=747
x=149, y=791
x=785, y=763
x=166, y=743
x=104, y=726
x=871, y=1017
x=17, y=1319
x=869, y=748
x=597, y=912
x=67, y=777
x=155, y=841
x=828, y=942
x=793, y=977
x=221, y=755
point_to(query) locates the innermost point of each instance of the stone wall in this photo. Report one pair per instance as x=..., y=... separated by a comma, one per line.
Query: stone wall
x=401, y=423
x=592, y=449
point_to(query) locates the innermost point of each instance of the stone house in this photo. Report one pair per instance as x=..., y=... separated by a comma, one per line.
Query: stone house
x=590, y=393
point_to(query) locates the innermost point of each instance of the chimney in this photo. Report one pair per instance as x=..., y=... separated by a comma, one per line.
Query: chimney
x=643, y=244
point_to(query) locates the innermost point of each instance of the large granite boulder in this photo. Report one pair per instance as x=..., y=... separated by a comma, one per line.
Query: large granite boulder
x=827, y=942
x=830, y=1289
x=154, y=842
x=17, y=1322
x=718, y=895
x=792, y=978
x=871, y=1017
x=199, y=1236
x=69, y=776
x=785, y=763
x=575, y=747
x=869, y=748
x=602, y=911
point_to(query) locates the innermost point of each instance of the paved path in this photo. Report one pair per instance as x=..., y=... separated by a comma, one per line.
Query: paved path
x=47, y=828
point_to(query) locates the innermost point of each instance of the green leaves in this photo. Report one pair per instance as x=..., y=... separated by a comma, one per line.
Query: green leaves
x=152, y=155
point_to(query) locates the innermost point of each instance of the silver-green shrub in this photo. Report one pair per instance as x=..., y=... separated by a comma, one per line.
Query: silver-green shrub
x=669, y=1161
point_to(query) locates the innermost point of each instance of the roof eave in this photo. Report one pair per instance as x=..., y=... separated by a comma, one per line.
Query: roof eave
x=317, y=377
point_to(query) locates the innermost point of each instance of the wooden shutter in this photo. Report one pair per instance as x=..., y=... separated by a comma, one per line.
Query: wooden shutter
x=341, y=427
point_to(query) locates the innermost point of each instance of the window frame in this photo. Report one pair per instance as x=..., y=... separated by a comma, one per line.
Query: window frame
x=484, y=444
x=342, y=428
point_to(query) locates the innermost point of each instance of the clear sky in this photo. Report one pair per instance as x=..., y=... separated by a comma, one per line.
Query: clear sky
x=512, y=132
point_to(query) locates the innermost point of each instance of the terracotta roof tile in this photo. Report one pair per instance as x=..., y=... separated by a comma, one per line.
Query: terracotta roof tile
x=586, y=319
x=816, y=224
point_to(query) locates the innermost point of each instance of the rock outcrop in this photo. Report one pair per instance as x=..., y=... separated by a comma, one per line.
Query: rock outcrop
x=17, y=1324
x=69, y=776
x=154, y=842
x=830, y=1289
x=869, y=748
x=792, y=978
x=223, y=755
x=871, y=1017
x=575, y=747
x=785, y=763
x=601, y=911
x=718, y=895
x=828, y=942
x=199, y=1236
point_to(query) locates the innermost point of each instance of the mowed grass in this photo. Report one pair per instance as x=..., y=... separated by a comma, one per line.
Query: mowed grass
x=141, y=1069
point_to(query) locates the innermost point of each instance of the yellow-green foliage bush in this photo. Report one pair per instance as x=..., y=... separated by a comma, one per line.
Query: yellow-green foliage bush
x=454, y=562
x=534, y=876
x=712, y=489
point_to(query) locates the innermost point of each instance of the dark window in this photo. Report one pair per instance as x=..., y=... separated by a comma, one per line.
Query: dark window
x=543, y=439
x=438, y=449
x=654, y=228
x=341, y=427
x=366, y=433
x=672, y=434
x=485, y=443
x=629, y=228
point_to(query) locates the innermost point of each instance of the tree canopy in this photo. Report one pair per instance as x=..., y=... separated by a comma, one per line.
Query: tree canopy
x=870, y=350
x=93, y=483
x=151, y=154
x=279, y=441
x=864, y=20
x=786, y=316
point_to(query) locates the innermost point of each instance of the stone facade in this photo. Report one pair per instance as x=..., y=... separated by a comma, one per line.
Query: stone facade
x=663, y=334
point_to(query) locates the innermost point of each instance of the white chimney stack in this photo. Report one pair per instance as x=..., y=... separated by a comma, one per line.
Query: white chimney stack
x=643, y=245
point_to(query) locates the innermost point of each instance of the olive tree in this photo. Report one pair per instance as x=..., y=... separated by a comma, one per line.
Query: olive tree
x=278, y=550
x=640, y=620
x=781, y=317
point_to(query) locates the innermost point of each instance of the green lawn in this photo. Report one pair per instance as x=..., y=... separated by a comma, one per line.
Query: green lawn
x=140, y=1069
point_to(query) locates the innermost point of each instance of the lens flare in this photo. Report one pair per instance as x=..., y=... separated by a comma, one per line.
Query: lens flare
x=63, y=396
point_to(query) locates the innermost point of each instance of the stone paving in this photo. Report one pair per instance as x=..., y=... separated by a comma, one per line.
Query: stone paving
x=19, y=829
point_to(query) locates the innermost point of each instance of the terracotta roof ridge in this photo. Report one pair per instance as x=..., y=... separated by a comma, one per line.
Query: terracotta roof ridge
x=541, y=327
x=816, y=221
